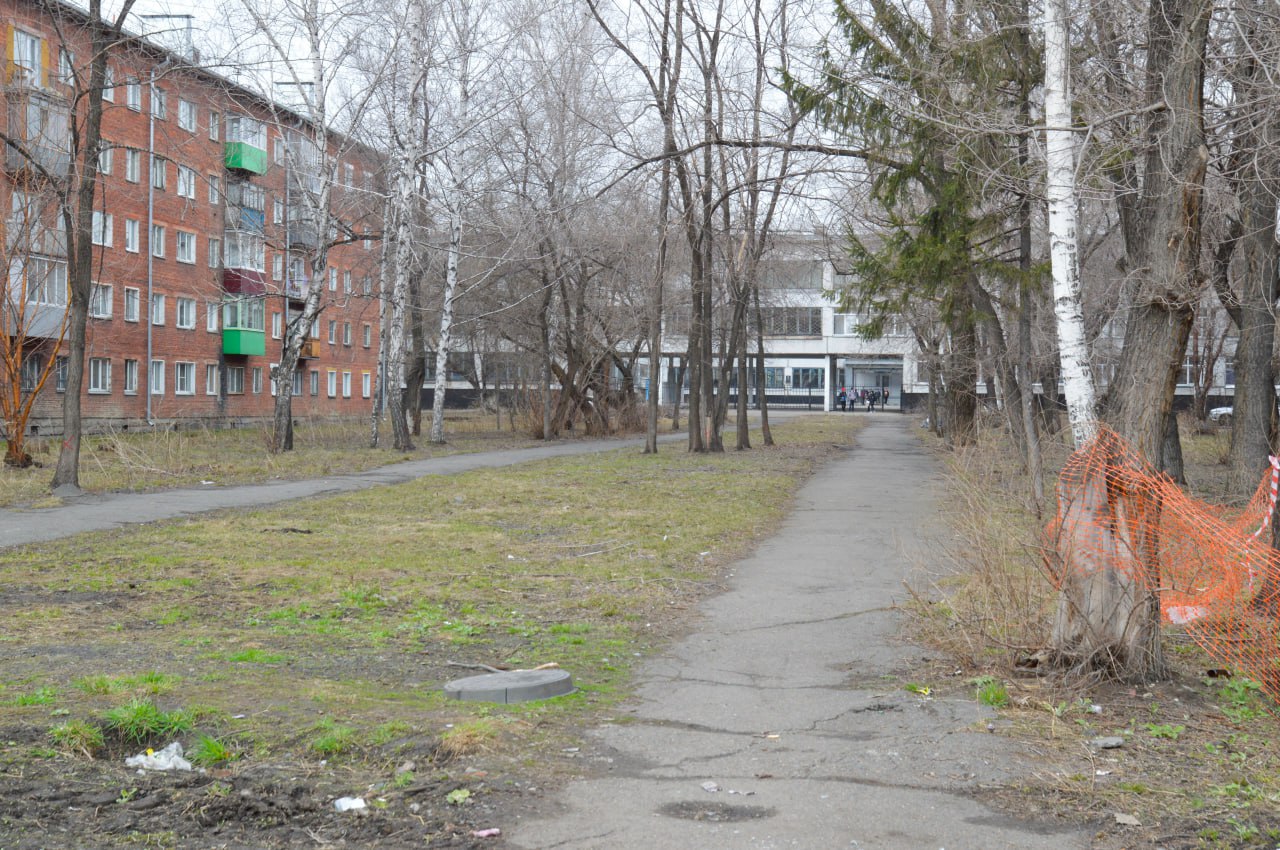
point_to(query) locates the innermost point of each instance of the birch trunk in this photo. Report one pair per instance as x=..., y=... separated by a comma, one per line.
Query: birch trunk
x=445, y=339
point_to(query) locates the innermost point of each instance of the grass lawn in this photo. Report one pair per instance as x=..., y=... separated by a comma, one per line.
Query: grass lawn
x=318, y=634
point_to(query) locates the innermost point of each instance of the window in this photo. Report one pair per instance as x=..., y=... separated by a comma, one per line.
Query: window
x=157, y=309
x=806, y=378
x=66, y=67
x=348, y=174
x=186, y=251
x=271, y=378
x=346, y=282
x=158, y=168
x=346, y=333
x=366, y=285
x=187, y=115
x=346, y=384
x=243, y=313
x=99, y=375
x=241, y=128
x=157, y=240
x=133, y=165
x=186, y=313
x=158, y=100
x=157, y=377
x=277, y=151
x=184, y=379
x=215, y=189
x=29, y=374
x=46, y=279
x=368, y=335
x=103, y=225
x=215, y=125
x=792, y=321
x=315, y=382
x=133, y=99
x=215, y=253
x=277, y=325
x=257, y=380
x=27, y=50
x=105, y=156
x=333, y=383
x=131, y=235
x=211, y=379
x=100, y=301
x=277, y=212
x=186, y=182
x=130, y=377
x=131, y=301
x=333, y=332
x=297, y=382
x=333, y=280
x=366, y=384
x=109, y=85
x=235, y=380
x=277, y=267
x=244, y=250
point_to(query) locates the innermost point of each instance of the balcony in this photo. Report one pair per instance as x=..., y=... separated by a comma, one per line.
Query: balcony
x=303, y=232
x=244, y=157
x=244, y=218
x=38, y=122
x=244, y=341
x=297, y=287
x=310, y=349
x=245, y=282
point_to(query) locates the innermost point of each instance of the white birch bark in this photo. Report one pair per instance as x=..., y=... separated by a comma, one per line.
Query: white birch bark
x=445, y=339
x=1060, y=156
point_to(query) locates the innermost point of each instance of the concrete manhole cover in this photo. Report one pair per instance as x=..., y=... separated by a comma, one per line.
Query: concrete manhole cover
x=715, y=812
x=511, y=686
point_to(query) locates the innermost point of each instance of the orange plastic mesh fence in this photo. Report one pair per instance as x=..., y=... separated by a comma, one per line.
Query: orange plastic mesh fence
x=1217, y=575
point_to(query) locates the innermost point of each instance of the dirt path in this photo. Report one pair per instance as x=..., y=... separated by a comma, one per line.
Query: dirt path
x=783, y=720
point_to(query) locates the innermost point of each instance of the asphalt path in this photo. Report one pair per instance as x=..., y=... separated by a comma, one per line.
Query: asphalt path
x=783, y=720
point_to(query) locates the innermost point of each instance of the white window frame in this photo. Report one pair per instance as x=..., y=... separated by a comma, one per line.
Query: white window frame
x=133, y=165
x=186, y=182
x=333, y=279
x=184, y=377
x=28, y=50
x=215, y=253
x=100, y=298
x=159, y=103
x=331, y=384
x=158, y=176
x=346, y=333
x=155, y=378
x=235, y=380
x=109, y=85
x=132, y=229
x=157, y=310
x=346, y=383
x=157, y=241
x=187, y=115
x=211, y=379
x=256, y=377
x=99, y=375
x=333, y=331
x=277, y=325
x=346, y=282
x=366, y=384
x=368, y=335
x=215, y=125
x=133, y=97
x=215, y=189
x=130, y=377
x=185, y=248
x=105, y=157
x=103, y=225
x=211, y=311
x=132, y=303
x=315, y=382
x=185, y=313
x=277, y=267
x=277, y=211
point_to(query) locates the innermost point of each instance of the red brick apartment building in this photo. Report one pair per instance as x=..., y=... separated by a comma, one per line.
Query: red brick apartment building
x=202, y=235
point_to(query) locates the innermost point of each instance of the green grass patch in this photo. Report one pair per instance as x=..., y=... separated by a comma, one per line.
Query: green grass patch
x=139, y=722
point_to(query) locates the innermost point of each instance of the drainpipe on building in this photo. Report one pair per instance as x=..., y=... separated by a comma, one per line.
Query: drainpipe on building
x=151, y=204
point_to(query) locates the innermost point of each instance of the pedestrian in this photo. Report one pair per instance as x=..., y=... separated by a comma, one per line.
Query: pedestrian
x=885, y=398
x=871, y=402
x=842, y=398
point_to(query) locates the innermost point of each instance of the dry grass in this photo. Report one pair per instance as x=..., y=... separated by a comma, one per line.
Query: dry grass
x=189, y=456
x=1198, y=768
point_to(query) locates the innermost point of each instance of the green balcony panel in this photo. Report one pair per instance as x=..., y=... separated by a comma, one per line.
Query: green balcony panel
x=239, y=341
x=242, y=156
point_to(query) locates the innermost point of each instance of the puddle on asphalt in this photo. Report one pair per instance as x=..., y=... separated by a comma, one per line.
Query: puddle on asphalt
x=715, y=812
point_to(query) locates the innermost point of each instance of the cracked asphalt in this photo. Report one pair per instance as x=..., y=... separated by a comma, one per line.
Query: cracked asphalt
x=783, y=721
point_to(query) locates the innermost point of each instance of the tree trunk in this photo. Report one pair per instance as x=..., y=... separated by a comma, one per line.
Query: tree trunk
x=444, y=341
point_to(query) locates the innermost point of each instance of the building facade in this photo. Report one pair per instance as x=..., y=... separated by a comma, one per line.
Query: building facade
x=204, y=229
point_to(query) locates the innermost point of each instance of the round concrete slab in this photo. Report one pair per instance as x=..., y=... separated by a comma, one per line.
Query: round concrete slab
x=513, y=686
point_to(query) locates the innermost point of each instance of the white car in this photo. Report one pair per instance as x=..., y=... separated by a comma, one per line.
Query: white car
x=1220, y=415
